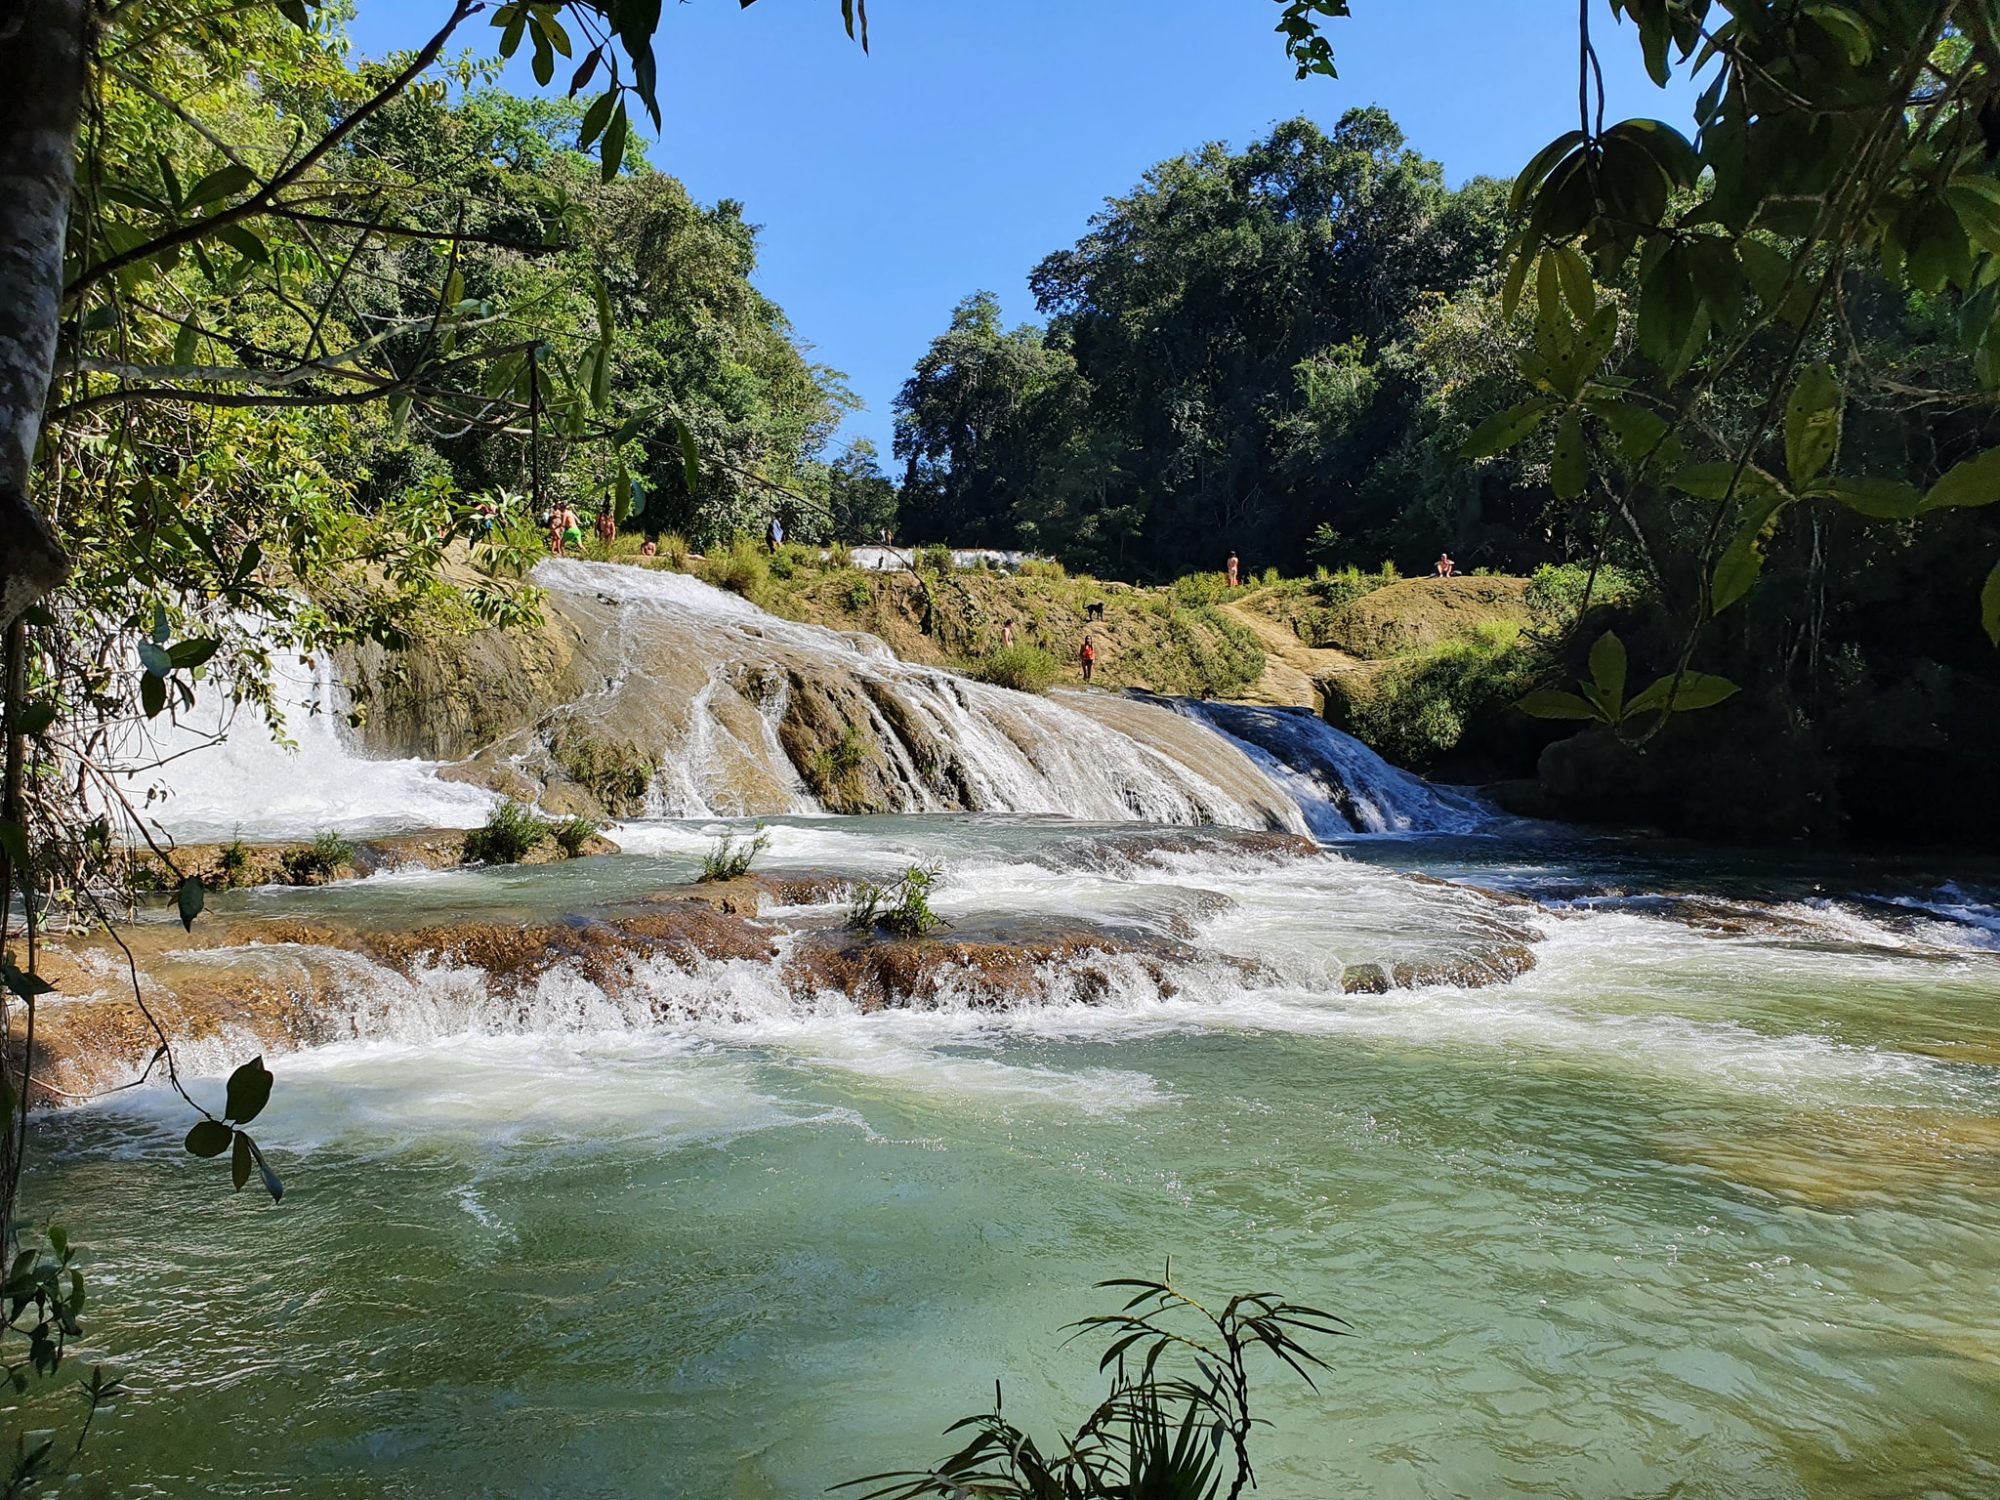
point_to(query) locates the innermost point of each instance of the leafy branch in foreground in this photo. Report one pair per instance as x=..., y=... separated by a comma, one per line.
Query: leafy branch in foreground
x=1602, y=697
x=1162, y=1432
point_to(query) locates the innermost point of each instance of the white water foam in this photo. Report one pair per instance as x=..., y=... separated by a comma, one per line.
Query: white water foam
x=250, y=786
x=1339, y=783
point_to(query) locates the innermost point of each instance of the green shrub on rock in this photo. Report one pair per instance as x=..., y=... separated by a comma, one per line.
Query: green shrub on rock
x=1024, y=668
x=509, y=834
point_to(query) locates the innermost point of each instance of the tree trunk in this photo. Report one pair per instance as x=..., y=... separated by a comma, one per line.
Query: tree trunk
x=41, y=90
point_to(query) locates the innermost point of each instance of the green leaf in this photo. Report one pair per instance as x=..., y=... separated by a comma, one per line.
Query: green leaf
x=1607, y=672
x=1547, y=703
x=1636, y=427
x=690, y=457
x=613, y=152
x=239, y=1161
x=209, y=1138
x=1743, y=559
x=187, y=343
x=1989, y=605
x=1569, y=472
x=513, y=19
x=20, y=982
x=1503, y=430
x=596, y=118
x=223, y=182
x=1697, y=690
x=189, y=901
x=1976, y=201
x=1533, y=174
x=152, y=694
x=1886, y=499
x=1840, y=23
x=271, y=1183
x=1974, y=482
x=1577, y=287
x=1812, y=423
x=162, y=628
x=244, y=242
x=35, y=718
x=1711, y=480
x=188, y=654
x=249, y=1091
x=155, y=658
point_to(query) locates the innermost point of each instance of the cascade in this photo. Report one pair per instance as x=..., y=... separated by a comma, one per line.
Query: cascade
x=1338, y=782
x=224, y=776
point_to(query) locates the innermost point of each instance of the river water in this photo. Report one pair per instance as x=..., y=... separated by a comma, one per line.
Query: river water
x=1704, y=1204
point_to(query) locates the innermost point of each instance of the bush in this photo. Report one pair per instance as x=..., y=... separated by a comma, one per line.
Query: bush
x=788, y=559
x=732, y=855
x=859, y=594
x=740, y=568
x=839, y=556
x=1417, y=709
x=902, y=908
x=232, y=865
x=573, y=835
x=1555, y=593
x=1024, y=668
x=324, y=858
x=674, y=549
x=1198, y=590
x=1041, y=567
x=509, y=834
x=1270, y=578
x=935, y=558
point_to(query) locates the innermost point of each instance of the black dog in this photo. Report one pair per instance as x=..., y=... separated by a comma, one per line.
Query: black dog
x=1093, y=611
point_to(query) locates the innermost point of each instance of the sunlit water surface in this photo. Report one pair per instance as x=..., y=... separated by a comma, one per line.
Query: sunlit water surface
x=1677, y=1213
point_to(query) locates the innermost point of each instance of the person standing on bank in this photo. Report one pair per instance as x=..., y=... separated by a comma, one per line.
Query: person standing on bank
x=1007, y=636
x=1234, y=565
x=1088, y=657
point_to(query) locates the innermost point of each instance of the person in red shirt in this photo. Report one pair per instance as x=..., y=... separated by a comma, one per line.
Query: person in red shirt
x=1088, y=656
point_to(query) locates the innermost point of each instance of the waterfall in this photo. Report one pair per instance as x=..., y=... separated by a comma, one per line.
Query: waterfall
x=989, y=749
x=1339, y=783
x=216, y=772
x=708, y=688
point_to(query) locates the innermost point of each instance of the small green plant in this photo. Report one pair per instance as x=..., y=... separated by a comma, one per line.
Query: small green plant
x=509, y=833
x=1602, y=697
x=1163, y=1433
x=784, y=563
x=902, y=907
x=832, y=771
x=858, y=594
x=1041, y=567
x=573, y=835
x=741, y=568
x=1024, y=668
x=232, y=864
x=839, y=556
x=1199, y=590
x=936, y=558
x=733, y=855
x=674, y=549
x=321, y=860
x=1270, y=578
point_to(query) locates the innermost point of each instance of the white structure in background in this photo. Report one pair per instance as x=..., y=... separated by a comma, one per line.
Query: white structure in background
x=889, y=559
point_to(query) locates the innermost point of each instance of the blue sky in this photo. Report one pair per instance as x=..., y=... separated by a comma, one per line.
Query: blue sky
x=978, y=135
